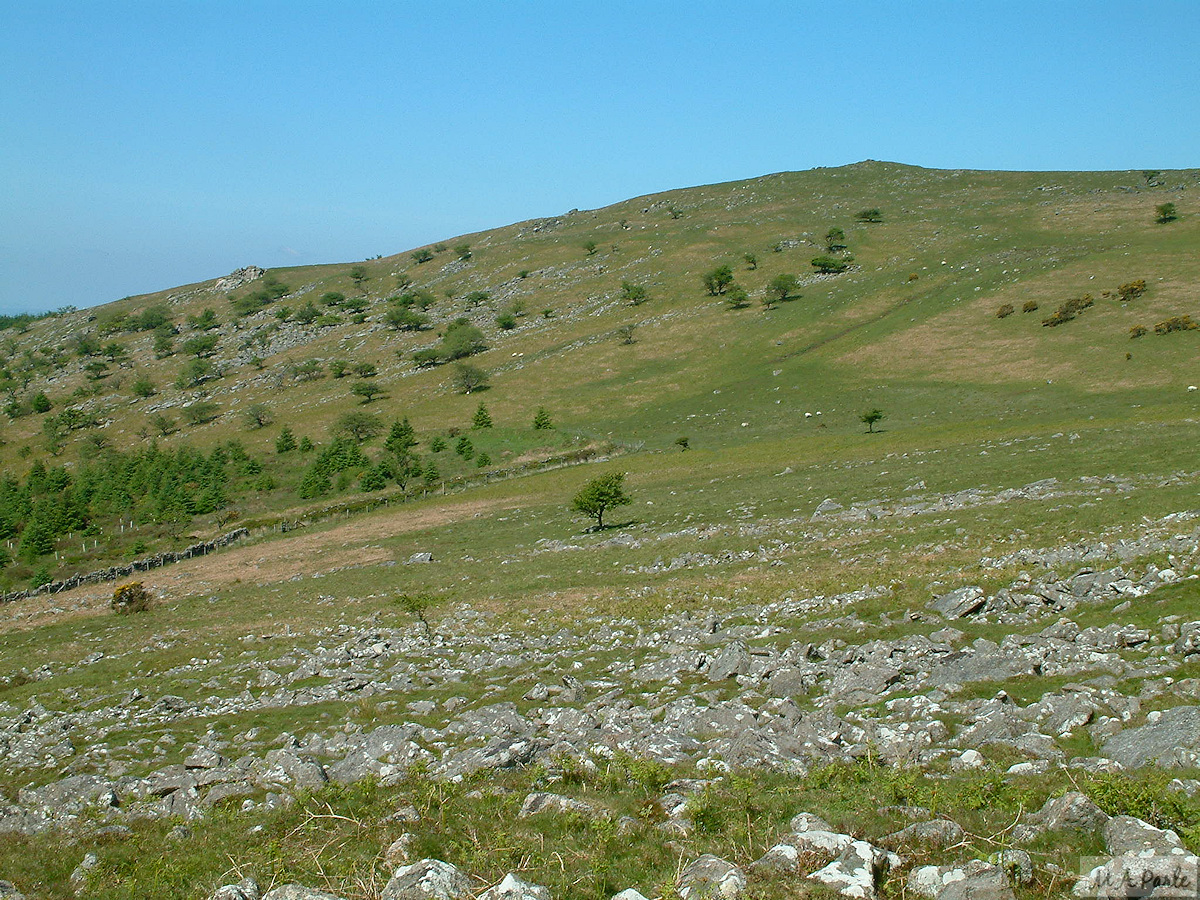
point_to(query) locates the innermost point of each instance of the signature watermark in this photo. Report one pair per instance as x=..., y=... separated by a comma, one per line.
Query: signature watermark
x=1166, y=876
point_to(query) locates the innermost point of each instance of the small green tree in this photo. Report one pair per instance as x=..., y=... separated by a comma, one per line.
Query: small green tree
x=590, y=247
x=869, y=419
x=143, y=387
x=482, y=461
x=201, y=412
x=633, y=294
x=831, y=265
x=872, y=216
x=625, y=332
x=482, y=418
x=368, y=390
x=1165, y=213
x=286, y=442
x=464, y=448
x=600, y=495
x=40, y=402
x=338, y=367
x=359, y=276
x=737, y=298
x=718, y=281
x=258, y=415
x=403, y=318
x=462, y=251
x=781, y=287
x=401, y=438
x=468, y=378
x=751, y=261
x=682, y=443
x=835, y=240
x=358, y=426
x=423, y=255
x=541, y=420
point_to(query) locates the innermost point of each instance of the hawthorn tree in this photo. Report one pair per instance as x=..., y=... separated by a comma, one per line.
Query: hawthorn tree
x=600, y=495
x=781, y=286
x=718, y=280
x=468, y=378
x=869, y=419
x=358, y=426
x=368, y=390
x=1165, y=213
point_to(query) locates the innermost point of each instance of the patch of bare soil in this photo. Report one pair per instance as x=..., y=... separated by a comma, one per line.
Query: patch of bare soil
x=347, y=544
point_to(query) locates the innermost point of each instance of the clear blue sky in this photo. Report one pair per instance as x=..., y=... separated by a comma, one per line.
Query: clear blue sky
x=150, y=144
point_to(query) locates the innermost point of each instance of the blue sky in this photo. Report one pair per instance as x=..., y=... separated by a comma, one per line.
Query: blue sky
x=150, y=144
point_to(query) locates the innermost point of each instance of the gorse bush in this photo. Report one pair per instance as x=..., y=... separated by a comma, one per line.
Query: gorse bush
x=130, y=598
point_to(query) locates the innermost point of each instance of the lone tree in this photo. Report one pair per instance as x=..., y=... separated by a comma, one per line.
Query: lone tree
x=633, y=294
x=368, y=390
x=835, y=240
x=717, y=281
x=873, y=216
x=781, y=287
x=469, y=378
x=1164, y=213
x=600, y=495
x=870, y=418
x=541, y=420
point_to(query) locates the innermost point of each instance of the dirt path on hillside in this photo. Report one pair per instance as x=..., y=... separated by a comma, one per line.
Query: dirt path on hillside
x=269, y=562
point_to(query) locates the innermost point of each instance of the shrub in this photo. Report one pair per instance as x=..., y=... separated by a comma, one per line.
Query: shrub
x=422, y=256
x=1175, y=323
x=1132, y=290
x=873, y=216
x=590, y=247
x=201, y=412
x=338, y=368
x=718, y=281
x=507, y=321
x=831, y=265
x=463, y=251
x=40, y=403
x=1005, y=311
x=1164, y=213
x=483, y=461
x=365, y=370
x=130, y=598
x=633, y=294
x=1068, y=310
x=1138, y=331
x=1029, y=306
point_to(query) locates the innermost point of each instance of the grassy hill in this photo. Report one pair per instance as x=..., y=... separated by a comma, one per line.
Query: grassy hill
x=911, y=328
x=1007, y=447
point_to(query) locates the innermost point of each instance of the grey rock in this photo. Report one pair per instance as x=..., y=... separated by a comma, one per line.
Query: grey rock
x=711, y=877
x=857, y=872
x=246, y=889
x=79, y=877
x=733, y=660
x=545, y=802
x=989, y=885
x=297, y=892
x=959, y=603
x=1071, y=812
x=936, y=833
x=428, y=878
x=807, y=821
x=1172, y=740
x=8, y=891
x=1126, y=834
x=630, y=894
x=513, y=888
